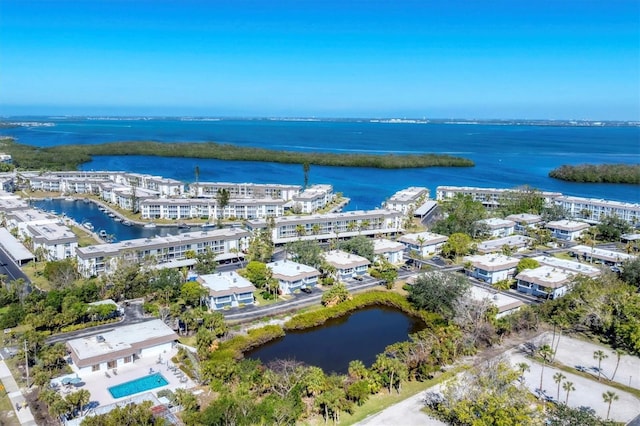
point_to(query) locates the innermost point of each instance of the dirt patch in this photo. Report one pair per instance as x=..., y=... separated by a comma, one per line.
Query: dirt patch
x=39, y=409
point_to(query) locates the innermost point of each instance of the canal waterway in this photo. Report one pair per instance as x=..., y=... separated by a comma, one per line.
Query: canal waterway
x=361, y=335
x=82, y=212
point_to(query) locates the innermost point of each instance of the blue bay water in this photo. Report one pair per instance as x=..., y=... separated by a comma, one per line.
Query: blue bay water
x=506, y=156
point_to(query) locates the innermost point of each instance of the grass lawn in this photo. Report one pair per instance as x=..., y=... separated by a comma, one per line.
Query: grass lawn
x=7, y=415
x=261, y=301
x=379, y=402
x=84, y=239
x=33, y=270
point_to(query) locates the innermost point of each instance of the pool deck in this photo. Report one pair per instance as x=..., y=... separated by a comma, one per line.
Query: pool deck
x=98, y=383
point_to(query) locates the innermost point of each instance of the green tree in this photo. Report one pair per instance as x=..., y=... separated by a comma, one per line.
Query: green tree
x=599, y=355
x=546, y=353
x=258, y=273
x=392, y=371
x=61, y=273
x=522, y=200
x=359, y=245
x=526, y=263
x=193, y=292
x=568, y=387
x=618, y=353
x=558, y=378
x=611, y=228
x=461, y=215
x=630, y=272
x=438, y=292
x=206, y=262
x=338, y=293
x=222, y=200
x=130, y=414
x=486, y=395
x=307, y=252
x=306, y=167
x=609, y=397
x=457, y=245
x=261, y=246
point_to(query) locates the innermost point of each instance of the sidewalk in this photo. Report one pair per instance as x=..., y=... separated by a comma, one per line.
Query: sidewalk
x=24, y=415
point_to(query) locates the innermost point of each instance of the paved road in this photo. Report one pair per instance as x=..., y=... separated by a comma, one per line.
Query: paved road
x=132, y=315
x=10, y=269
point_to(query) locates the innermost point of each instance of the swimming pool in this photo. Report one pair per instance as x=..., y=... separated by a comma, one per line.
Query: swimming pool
x=142, y=384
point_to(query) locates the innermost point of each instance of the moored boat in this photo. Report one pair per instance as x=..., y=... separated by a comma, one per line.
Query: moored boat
x=88, y=226
x=149, y=225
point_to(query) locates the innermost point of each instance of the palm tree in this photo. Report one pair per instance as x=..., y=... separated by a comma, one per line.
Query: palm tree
x=609, y=397
x=315, y=228
x=559, y=377
x=522, y=368
x=599, y=355
x=618, y=353
x=546, y=353
x=568, y=386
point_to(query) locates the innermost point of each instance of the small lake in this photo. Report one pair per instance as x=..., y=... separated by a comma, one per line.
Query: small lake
x=361, y=335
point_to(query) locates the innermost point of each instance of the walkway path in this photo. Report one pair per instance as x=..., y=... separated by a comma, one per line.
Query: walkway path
x=24, y=415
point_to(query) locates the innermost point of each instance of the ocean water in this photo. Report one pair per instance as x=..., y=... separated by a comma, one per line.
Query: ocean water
x=506, y=156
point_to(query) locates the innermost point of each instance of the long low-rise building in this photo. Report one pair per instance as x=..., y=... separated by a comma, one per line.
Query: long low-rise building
x=512, y=242
x=227, y=290
x=423, y=243
x=120, y=346
x=58, y=242
x=569, y=265
x=492, y=268
x=598, y=209
x=347, y=265
x=208, y=208
x=323, y=227
x=598, y=255
x=407, y=199
x=545, y=281
x=489, y=197
x=244, y=190
x=103, y=258
x=293, y=276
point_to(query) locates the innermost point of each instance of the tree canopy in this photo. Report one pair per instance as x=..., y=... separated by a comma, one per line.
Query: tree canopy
x=438, y=292
x=461, y=216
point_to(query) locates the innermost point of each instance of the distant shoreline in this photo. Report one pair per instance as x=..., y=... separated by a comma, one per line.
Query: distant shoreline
x=70, y=157
x=598, y=173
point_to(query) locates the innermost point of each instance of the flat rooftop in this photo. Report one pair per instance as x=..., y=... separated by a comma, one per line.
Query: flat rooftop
x=382, y=245
x=598, y=253
x=341, y=259
x=408, y=195
x=497, y=223
x=288, y=268
x=226, y=283
x=513, y=241
x=492, y=262
x=423, y=238
x=503, y=302
x=120, y=339
x=569, y=265
x=547, y=276
x=567, y=225
x=525, y=218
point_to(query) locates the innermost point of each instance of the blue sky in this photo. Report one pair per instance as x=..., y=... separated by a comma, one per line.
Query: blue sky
x=438, y=59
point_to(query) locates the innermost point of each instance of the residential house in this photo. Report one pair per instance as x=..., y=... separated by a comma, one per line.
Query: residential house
x=497, y=227
x=347, y=265
x=392, y=251
x=293, y=276
x=546, y=281
x=120, y=345
x=567, y=230
x=492, y=268
x=423, y=243
x=513, y=243
x=227, y=290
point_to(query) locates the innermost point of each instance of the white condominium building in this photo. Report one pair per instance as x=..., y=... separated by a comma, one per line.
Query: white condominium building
x=328, y=226
x=207, y=208
x=596, y=209
x=407, y=199
x=244, y=190
x=489, y=197
x=103, y=258
x=313, y=198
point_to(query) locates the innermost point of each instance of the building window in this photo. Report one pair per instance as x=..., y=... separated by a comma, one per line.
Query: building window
x=127, y=359
x=112, y=364
x=95, y=367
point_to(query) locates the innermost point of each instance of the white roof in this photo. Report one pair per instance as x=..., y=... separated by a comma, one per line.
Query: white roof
x=497, y=244
x=382, y=245
x=599, y=253
x=547, y=276
x=224, y=282
x=288, y=268
x=427, y=237
x=342, y=260
x=502, y=301
x=569, y=265
x=14, y=247
x=493, y=262
x=425, y=208
x=525, y=217
x=568, y=225
x=497, y=223
x=120, y=338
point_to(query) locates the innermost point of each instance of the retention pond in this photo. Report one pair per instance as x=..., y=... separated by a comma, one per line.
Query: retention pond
x=360, y=335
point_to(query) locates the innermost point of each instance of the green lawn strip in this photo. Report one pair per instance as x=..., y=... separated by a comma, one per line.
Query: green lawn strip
x=7, y=415
x=635, y=392
x=33, y=271
x=379, y=402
